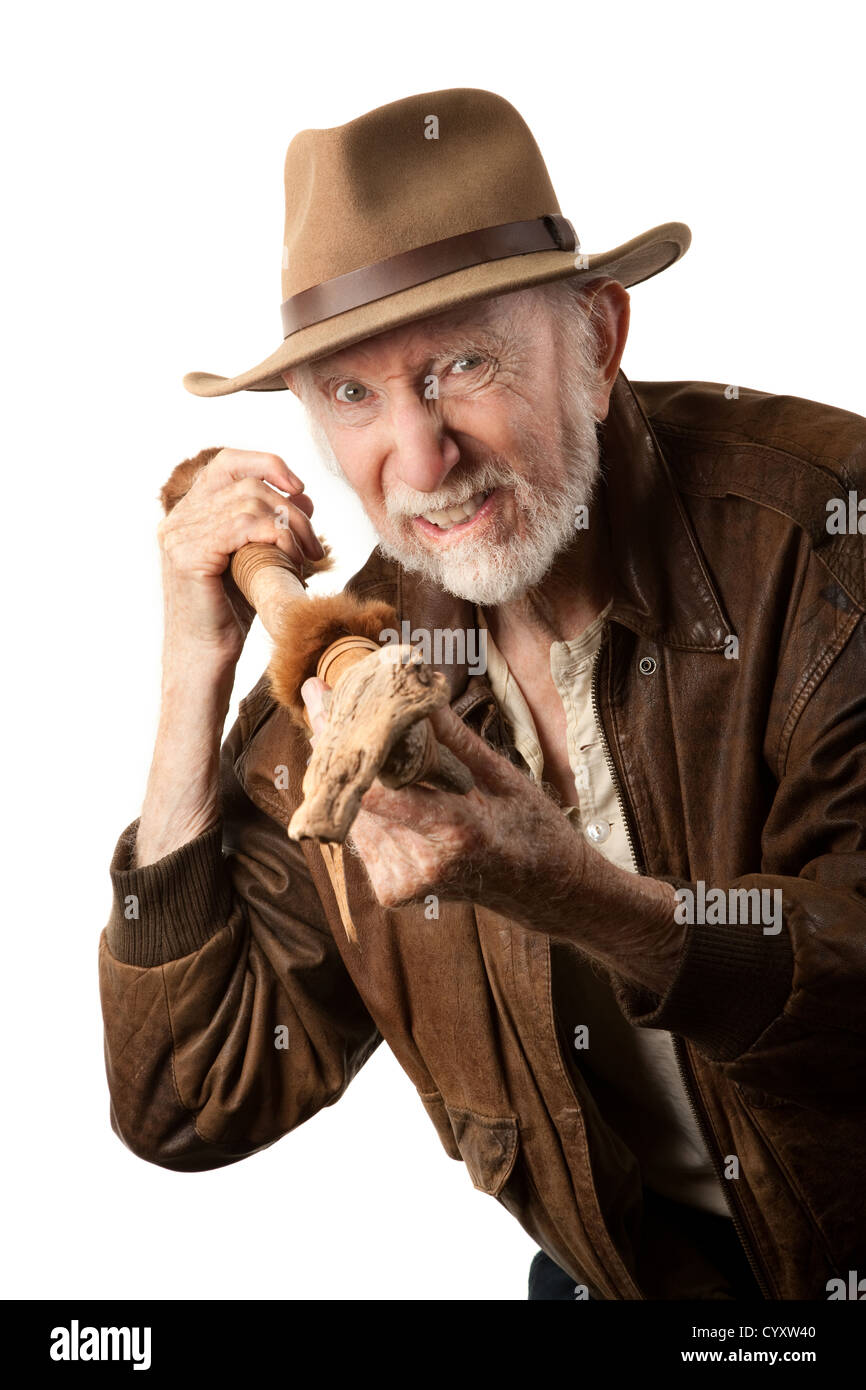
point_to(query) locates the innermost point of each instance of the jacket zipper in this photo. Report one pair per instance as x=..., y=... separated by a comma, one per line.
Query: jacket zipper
x=638, y=859
x=678, y=1043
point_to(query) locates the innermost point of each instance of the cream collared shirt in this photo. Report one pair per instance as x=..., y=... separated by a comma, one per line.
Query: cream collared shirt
x=646, y=1100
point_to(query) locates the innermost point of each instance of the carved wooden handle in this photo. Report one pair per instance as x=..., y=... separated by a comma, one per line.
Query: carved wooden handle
x=342, y=654
x=268, y=580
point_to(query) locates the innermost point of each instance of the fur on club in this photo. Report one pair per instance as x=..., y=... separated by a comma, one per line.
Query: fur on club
x=183, y=477
x=307, y=629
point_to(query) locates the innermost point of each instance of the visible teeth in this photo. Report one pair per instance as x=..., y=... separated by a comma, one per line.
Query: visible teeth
x=450, y=516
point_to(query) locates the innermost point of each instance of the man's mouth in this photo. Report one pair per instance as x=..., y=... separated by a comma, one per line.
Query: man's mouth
x=451, y=518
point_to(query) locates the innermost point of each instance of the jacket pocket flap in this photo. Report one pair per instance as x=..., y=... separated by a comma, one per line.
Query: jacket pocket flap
x=487, y=1145
x=435, y=1107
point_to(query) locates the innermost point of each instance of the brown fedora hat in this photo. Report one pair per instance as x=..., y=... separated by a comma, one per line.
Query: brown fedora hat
x=415, y=208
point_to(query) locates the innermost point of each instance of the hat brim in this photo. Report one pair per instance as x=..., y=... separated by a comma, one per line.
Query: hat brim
x=636, y=260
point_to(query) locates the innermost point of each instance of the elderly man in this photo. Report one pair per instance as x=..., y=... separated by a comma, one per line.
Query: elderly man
x=625, y=971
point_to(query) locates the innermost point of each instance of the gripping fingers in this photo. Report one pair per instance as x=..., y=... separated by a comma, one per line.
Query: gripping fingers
x=258, y=522
x=287, y=516
x=230, y=465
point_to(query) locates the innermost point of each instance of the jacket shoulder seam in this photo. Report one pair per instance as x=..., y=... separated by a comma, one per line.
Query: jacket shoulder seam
x=704, y=438
x=837, y=553
x=832, y=465
x=811, y=681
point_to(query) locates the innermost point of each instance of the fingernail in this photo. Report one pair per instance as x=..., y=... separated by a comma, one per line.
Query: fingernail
x=312, y=697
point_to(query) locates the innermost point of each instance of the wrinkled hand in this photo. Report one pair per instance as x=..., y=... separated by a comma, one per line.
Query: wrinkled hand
x=240, y=496
x=504, y=845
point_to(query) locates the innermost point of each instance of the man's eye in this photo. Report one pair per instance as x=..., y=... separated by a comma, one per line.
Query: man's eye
x=466, y=364
x=352, y=392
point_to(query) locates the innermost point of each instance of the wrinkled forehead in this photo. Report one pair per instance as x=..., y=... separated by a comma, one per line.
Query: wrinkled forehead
x=484, y=324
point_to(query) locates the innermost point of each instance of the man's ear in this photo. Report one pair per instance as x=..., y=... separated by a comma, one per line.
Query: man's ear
x=290, y=381
x=611, y=304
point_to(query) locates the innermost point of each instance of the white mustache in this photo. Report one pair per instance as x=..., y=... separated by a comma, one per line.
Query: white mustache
x=404, y=502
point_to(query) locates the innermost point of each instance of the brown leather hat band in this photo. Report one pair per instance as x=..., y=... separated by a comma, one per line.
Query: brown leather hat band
x=410, y=268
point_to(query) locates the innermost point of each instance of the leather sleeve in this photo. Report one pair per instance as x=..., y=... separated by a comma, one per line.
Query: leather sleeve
x=229, y=1017
x=785, y=1012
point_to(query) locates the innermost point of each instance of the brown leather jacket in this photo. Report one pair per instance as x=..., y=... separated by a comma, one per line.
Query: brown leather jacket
x=744, y=772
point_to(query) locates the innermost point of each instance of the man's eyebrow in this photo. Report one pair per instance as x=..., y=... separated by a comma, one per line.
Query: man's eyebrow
x=483, y=336
x=452, y=343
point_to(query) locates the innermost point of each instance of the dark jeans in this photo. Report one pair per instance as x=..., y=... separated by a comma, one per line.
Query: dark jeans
x=679, y=1244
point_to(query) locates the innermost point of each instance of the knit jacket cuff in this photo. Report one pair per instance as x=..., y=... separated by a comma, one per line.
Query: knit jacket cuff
x=170, y=908
x=731, y=982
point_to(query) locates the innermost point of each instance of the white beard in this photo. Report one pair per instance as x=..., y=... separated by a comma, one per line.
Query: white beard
x=495, y=572
x=501, y=568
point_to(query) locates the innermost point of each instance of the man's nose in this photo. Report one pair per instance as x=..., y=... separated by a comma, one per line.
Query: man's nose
x=423, y=450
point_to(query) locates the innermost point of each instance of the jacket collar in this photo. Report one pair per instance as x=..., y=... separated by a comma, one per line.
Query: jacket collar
x=661, y=584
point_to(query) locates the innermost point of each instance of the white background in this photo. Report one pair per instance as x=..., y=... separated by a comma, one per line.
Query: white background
x=142, y=167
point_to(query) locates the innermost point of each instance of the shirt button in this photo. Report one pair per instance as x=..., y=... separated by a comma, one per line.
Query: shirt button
x=598, y=832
